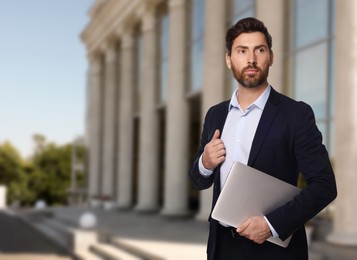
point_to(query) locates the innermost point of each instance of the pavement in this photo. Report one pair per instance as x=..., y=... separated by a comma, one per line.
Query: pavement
x=153, y=236
x=166, y=238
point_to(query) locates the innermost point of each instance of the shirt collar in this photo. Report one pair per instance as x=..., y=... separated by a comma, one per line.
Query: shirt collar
x=260, y=102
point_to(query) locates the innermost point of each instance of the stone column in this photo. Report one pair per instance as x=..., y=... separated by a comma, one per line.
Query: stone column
x=94, y=125
x=214, y=72
x=275, y=22
x=126, y=128
x=109, y=120
x=177, y=117
x=148, y=148
x=345, y=211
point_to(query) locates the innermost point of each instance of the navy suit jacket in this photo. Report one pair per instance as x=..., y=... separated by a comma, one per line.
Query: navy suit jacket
x=287, y=142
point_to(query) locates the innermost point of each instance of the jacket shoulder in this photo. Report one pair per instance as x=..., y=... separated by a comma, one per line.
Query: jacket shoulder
x=219, y=107
x=288, y=101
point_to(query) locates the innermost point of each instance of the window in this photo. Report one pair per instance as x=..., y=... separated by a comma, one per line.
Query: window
x=196, y=44
x=237, y=9
x=311, y=19
x=138, y=52
x=163, y=54
x=241, y=9
x=312, y=56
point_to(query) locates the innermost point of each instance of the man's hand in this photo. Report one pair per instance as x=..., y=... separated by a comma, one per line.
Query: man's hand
x=255, y=229
x=214, y=152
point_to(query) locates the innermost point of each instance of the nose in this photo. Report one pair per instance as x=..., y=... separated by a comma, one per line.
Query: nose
x=252, y=59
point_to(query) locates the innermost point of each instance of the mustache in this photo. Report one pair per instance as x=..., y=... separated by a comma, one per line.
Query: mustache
x=252, y=66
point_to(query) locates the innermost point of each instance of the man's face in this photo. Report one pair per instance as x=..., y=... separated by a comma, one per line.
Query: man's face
x=250, y=59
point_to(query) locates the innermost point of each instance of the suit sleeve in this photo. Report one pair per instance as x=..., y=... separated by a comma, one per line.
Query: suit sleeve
x=313, y=162
x=198, y=181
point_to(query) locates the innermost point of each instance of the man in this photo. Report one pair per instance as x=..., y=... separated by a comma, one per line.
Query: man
x=272, y=133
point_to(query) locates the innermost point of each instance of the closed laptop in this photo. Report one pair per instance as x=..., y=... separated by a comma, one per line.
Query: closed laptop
x=248, y=192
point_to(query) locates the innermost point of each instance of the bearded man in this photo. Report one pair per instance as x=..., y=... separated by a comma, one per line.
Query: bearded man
x=271, y=133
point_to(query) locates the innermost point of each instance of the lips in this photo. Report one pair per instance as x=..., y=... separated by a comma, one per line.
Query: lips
x=251, y=70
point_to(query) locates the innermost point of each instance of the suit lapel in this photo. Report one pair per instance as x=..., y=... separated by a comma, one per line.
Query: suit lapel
x=270, y=110
x=221, y=119
x=222, y=116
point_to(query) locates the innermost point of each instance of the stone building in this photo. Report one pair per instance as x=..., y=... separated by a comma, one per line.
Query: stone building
x=156, y=66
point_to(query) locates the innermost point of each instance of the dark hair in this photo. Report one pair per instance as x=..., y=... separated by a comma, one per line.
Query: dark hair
x=246, y=25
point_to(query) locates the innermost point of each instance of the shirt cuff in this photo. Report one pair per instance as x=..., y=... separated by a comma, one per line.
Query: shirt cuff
x=203, y=171
x=273, y=232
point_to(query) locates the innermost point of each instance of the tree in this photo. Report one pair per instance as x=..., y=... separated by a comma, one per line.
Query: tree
x=51, y=171
x=12, y=173
x=45, y=176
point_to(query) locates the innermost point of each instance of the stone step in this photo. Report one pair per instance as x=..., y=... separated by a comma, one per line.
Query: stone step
x=32, y=256
x=42, y=224
x=133, y=249
x=42, y=227
x=87, y=255
x=59, y=228
x=110, y=252
x=52, y=234
x=66, y=239
x=75, y=241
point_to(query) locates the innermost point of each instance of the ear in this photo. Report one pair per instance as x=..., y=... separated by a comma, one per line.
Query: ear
x=271, y=58
x=228, y=61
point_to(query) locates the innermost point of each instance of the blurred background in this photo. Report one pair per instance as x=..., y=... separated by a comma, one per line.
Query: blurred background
x=103, y=103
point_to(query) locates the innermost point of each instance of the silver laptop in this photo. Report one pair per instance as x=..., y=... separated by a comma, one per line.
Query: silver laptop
x=248, y=192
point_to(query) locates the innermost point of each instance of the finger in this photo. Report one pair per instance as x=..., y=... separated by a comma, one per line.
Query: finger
x=218, y=149
x=215, y=135
x=221, y=159
x=217, y=142
x=242, y=227
x=221, y=152
x=218, y=159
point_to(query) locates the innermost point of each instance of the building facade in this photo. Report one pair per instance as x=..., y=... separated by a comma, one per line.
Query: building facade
x=156, y=66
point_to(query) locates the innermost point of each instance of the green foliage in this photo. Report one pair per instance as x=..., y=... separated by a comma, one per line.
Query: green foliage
x=10, y=163
x=54, y=172
x=45, y=176
x=11, y=171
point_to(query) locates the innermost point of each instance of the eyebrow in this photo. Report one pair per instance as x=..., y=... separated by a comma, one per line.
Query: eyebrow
x=246, y=47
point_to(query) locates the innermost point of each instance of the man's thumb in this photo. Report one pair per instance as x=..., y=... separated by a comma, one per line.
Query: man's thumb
x=215, y=135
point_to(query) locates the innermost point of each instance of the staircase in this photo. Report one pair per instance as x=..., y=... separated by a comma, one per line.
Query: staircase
x=83, y=244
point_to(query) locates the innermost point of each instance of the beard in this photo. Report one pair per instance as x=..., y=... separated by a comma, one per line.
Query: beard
x=250, y=81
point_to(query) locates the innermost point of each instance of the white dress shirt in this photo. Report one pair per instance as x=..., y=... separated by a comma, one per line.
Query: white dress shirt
x=238, y=134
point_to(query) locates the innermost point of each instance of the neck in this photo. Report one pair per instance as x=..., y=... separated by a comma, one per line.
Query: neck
x=247, y=96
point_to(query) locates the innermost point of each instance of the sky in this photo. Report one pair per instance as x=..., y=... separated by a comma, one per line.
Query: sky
x=43, y=67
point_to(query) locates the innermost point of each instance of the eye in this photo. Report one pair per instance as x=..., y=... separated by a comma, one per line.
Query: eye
x=241, y=51
x=260, y=50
